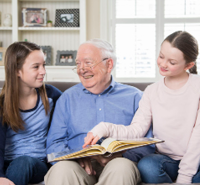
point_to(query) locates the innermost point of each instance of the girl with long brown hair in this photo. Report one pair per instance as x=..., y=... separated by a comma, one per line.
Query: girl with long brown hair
x=26, y=105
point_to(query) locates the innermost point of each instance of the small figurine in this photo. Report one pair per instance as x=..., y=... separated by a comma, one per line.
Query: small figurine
x=8, y=20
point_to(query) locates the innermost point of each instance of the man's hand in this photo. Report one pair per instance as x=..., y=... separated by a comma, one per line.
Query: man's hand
x=90, y=139
x=102, y=160
x=5, y=181
x=86, y=164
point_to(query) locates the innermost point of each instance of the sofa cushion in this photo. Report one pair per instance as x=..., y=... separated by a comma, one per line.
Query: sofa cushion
x=41, y=183
x=65, y=85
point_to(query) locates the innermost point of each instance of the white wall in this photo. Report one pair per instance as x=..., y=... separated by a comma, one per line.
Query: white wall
x=92, y=19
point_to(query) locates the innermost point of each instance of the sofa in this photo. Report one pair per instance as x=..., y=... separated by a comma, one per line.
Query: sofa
x=65, y=85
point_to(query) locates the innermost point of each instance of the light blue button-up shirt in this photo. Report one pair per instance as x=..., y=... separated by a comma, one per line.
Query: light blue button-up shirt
x=77, y=111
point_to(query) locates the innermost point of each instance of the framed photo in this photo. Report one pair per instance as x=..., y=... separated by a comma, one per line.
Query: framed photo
x=47, y=54
x=34, y=17
x=66, y=58
x=2, y=55
x=67, y=18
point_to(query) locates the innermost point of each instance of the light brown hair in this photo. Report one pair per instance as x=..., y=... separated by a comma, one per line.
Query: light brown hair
x=15, y=57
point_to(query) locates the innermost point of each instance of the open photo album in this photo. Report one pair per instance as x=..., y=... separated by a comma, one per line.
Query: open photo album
x=108, y=146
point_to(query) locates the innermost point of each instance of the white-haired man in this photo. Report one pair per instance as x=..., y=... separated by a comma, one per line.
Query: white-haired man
x=97, y=98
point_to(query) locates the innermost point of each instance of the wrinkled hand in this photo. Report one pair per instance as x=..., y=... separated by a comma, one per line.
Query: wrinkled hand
x=86, y=164
x=102, y=160
x=90, y=139
x=5, y=181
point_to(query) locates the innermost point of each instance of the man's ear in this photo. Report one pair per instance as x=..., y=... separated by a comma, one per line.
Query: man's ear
x=189, y=65
x=110, y=65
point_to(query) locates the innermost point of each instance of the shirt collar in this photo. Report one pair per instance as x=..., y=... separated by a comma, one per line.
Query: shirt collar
x=107, y=90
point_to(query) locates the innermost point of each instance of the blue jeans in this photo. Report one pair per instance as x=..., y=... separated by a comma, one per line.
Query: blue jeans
x=25, y=169
x=157, y=168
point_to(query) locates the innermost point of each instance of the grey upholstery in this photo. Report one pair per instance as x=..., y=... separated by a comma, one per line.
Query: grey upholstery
x=65, y=85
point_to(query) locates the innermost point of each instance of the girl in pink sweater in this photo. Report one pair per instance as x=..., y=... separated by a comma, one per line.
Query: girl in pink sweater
x=173, y=106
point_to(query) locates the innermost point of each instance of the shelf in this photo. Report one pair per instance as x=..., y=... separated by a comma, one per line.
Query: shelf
x=47, y=0
x=5, y=0
x=59, y=67
x=49, y=28
x=5, y=28
x=52, y=67
x=58, y=38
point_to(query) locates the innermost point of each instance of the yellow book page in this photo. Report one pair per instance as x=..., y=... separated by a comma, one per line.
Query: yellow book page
x=106, y=142
x=92, y=150
x=116, y=146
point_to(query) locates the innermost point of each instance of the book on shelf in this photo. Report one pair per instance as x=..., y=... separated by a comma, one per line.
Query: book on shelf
x=107, y=147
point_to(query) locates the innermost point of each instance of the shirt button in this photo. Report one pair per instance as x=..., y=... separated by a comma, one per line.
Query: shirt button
x=100, y=109
x=99, y=95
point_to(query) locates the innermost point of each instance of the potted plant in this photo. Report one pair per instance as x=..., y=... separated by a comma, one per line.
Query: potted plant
x=49, y=23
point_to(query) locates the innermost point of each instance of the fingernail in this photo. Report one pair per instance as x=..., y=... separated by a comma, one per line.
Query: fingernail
x=88, y=171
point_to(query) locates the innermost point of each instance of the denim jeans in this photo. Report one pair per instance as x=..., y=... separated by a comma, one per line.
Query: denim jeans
x=25, y=169
x=157, y=168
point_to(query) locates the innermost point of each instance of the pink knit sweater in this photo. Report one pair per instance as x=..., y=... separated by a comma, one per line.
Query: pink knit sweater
x=176, y=120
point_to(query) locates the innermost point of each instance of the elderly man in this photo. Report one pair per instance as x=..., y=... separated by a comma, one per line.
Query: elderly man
x=97, y=98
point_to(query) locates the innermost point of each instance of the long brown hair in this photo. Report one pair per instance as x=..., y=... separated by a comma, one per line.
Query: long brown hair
x=186, y=43
x=9, y=98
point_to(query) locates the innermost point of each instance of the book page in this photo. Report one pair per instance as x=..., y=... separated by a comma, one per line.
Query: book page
x=117, y=146
x=73, y=154
x=106, y=142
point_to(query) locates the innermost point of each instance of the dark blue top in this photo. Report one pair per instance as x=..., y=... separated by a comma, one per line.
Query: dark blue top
x=2, y=147
x=32, y=140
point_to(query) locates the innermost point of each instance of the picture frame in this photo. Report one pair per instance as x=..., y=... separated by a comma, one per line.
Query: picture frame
x=66, y=58
x=67, y=18
x=2, y=55
x=34, y=17
x=47, y=54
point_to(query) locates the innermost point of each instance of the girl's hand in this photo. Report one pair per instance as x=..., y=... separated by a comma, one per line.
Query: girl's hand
x=90, y=139
x=5, y=181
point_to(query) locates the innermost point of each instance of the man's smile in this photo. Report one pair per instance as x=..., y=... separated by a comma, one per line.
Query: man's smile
x=87, y=77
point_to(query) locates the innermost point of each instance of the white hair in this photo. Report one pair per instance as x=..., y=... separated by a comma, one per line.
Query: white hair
x=105, y=47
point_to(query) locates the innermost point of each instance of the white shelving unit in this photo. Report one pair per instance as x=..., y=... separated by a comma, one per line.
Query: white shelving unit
x=59, y=38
